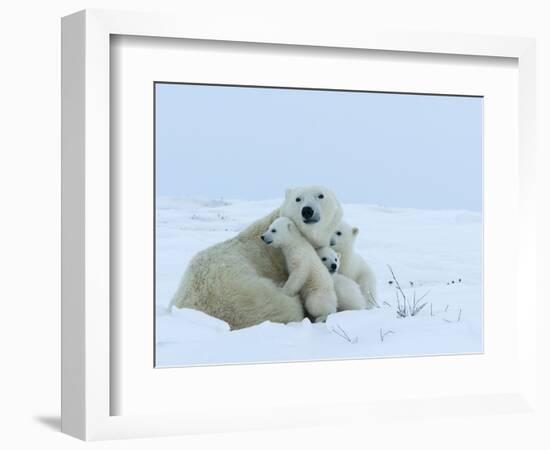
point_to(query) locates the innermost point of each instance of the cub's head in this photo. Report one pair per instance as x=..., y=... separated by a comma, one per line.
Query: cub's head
x=343, y=238
x=279, y=232
x=329, y=258
x=315, y=210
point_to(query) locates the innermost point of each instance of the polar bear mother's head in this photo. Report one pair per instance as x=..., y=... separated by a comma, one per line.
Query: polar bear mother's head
x=315, y=210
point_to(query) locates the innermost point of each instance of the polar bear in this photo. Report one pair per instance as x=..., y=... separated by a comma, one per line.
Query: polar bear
x=347, y=291
x=239, y=280
x=307, y=275
x=351, y=264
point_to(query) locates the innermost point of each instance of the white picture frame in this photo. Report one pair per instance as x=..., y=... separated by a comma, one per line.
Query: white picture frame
x=87, y=319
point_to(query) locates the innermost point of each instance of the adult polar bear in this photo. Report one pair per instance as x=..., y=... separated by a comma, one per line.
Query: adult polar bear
x=240, y=280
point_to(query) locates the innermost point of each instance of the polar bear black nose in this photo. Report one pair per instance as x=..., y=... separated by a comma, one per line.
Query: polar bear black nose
x=307, y=212
x=333, y=266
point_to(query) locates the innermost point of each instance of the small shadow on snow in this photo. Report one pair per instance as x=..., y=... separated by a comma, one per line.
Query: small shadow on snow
x=385, y=209
x=213, y=203
x=161, y=310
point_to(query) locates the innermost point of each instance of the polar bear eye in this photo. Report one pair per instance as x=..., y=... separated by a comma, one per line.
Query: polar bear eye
x=274, y=230
x=324, y=259
x=298, y=199
x=339, y=233
x=321, y=196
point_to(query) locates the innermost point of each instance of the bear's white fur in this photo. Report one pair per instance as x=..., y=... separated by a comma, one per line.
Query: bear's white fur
x=347, y=291
x=239, y=280
x=353, y=265
x=307, y=275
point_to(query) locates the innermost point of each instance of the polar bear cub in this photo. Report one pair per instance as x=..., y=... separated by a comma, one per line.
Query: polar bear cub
x=307, y=274
x=348, y=292
x=351, y=264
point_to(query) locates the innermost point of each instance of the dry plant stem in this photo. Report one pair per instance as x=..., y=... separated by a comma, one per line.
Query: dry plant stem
x=383, y=335
x=373, y=300
x=406, y=309
x=398, y=287
x=423, y=296
x=342, y=333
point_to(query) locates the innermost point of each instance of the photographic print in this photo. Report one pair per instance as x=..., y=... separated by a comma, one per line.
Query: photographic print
x=312, y=224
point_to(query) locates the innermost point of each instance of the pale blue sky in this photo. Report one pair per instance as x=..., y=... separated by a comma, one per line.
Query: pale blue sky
x=414, y=151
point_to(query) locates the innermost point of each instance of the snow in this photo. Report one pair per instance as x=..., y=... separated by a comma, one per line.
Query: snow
x=427, y=251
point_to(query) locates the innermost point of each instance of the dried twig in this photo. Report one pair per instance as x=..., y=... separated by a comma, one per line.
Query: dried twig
x=458, y=318
x=424, y=295
x=397, y=284
x=384, y=334
x=342, y=333
x=418, y=309
x=373, y=300
x=400, y=311
x=406, y=309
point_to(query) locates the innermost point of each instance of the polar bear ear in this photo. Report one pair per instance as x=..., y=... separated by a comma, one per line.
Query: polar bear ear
x=339, y=255
x=288, y=192
x=355, y=231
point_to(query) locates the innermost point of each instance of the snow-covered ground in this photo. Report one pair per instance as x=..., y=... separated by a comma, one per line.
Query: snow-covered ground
x=435, y=253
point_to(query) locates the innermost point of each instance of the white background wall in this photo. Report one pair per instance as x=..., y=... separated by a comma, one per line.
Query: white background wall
x=29, y=224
